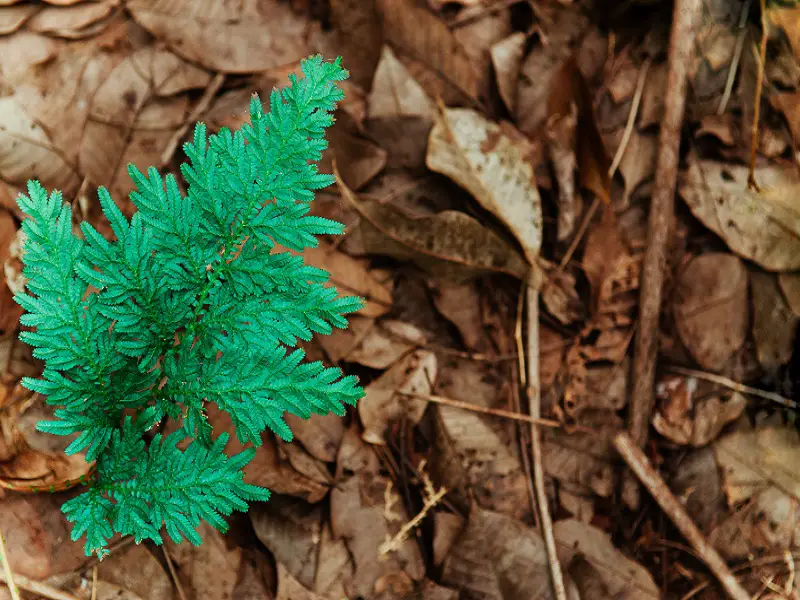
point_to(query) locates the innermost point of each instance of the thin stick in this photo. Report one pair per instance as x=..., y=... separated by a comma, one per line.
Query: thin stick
x=685, y=19
x=39, y=588
x=760, y=562
x=737, y=56
x=497, y=412
x=535, y=401
x=9, y=577
x=672, y=507
x=173, y=574
x=736, y=386
x=751, y=177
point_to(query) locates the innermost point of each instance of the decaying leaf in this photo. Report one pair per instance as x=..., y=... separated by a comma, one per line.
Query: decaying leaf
x=790, y=286
x=690, y=414
x=391, y=396
x=747, y=221
x=136, y=570
x=73, y=21
x=774, y=323
x=490, y=162
x=33, y=471
x=232, y=38
x=710, y=308
x=507, y=60
x=359, y=35
x=460, y=303
x=291, y=589
x=14, y=17
x=450, y=241
x=386, y=343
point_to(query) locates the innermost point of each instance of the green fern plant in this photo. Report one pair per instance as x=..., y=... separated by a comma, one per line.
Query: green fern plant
x=190, y=305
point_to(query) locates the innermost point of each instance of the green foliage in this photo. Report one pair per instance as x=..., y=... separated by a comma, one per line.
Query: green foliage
x=189, y=305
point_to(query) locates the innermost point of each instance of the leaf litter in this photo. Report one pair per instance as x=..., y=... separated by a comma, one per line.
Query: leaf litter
x=474, y=142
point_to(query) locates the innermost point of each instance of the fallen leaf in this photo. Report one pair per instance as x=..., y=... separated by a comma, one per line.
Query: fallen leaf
x=460, y=303
x=560, y=295
x=605, y=249
x=490, y=162
x=774, y=323
x=710, y=308
x=421, y=35
x=319, y=434
x=291, y=589
x=27, y=152
x=14, y=17
x=359, y=35
x=231, y=38
x=623, y=578
x=396, y=93
x=33, y=471
x=72, y=21
x=135, y=569
x=358, y=159
x=790, y=286
x=366, y=512
x=386, y=343
x=507, y=61
x=787, y=18
x=449, y=241
x=472, y=460
x=351, y=278
x=385, y=399
x=497, y=558
x=747, y=221
x=691, y=415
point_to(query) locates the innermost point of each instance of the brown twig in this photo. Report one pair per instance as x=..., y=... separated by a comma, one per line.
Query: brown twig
x=9, y=577
x=535, y=401
x=37, y=587
x=173, y=574
x=735, y=386
x=751, y=177
x=686, y=16
x=497, y=412
x=672, y=507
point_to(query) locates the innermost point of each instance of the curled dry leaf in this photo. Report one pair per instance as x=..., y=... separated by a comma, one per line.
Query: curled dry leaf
x=385, y=398
x=560, y=295
x=507, y=60
x=774, y=322
x=231, y=38
x=460, y=303
x=351, y=278
x=72, y=21
x=319, y=434
x=34, y=471
x=421, y=35
x=490, y=161
x=396, y=93
x=688, y=416
x=449, y=242
x=623, y=578
x=754, y=225
x=14, y=17
x=710, y=308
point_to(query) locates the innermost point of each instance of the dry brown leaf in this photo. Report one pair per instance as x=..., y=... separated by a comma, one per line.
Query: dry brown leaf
x=638, y=163
x=31, y=470
x=135, y=569
x=14, y=17
x=507, y=61
x=498, y=558
x=72, y=21
x=366, y=511
x=689, y=415
x=231, y=38
x=790, y=286
x=605, y=249
x=560, y=295
x=450, y=242
x=385, y=399
x=787, y=19
x=774, y=323
x=422, y=36
x=490, y=162
x=358, y=35
x=623, y=578
x=319, y=434
x=477, y=32
x=711, y=309
x=396, y=93
x=27, y=152
x=472, y=460
x=291, y=589
x=351, y=278
x=386, y=343
x=747, y=221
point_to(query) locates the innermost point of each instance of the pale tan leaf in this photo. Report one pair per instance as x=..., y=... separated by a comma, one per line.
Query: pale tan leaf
x=358, y=37
x=291, y=589
x=710, y=307
x=69, y=21
x=490, y=162
x=385, y=399
x=136, y=569
x=507, y=60
x=228, y=37
x=718, y=195
x=386, y=343
x=319, y=434
x=14, y=17
x=396, y=93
